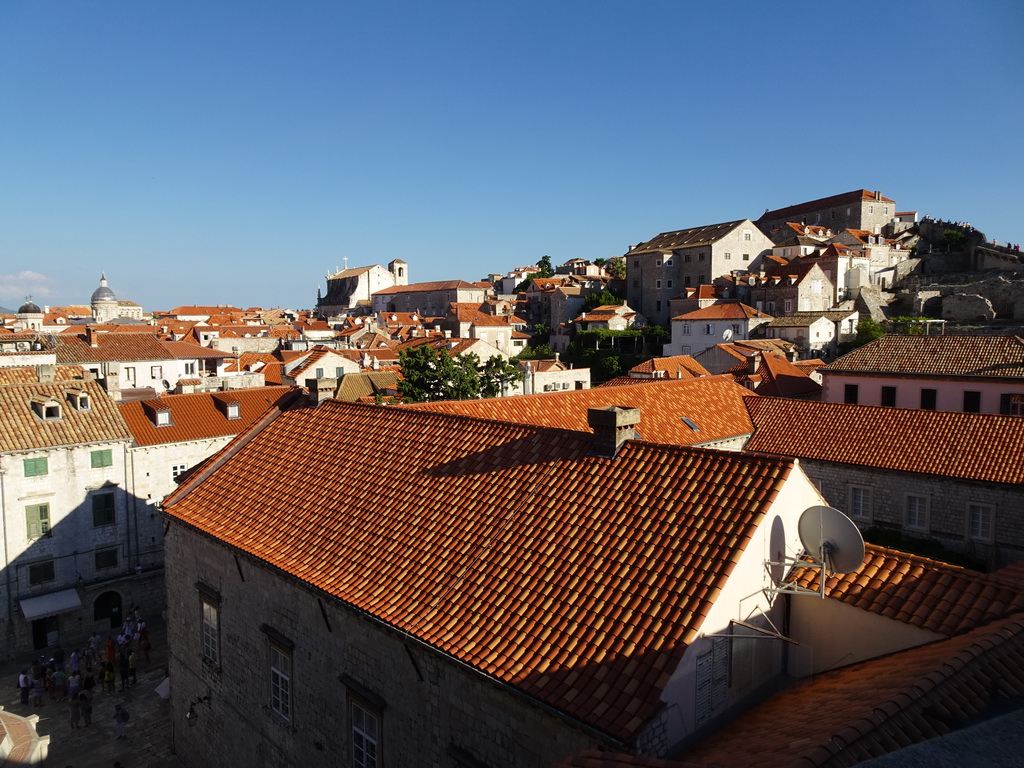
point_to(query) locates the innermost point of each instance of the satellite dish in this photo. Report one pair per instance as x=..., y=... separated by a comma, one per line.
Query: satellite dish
x=727, y=334
x=832, y=539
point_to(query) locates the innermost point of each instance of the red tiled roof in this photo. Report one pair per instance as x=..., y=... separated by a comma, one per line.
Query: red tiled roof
x=576, y=579
x=197, y=416
x=443, y=285
x=714, y=404
x=625, y=381
x=672, y=365
x=780, y=378
x=21, y=429
x=989, y=356
x=846, y=716
x=900, y=439
x=794, y=211
x=184, y=350
x=724, y=310
x=916, y=590
x=74, y=349
x=687, y=238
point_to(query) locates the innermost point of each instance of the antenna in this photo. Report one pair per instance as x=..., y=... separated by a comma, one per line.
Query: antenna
x=833, y=542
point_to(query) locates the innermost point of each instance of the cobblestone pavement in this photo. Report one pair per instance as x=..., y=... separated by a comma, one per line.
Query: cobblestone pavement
x=149, y=731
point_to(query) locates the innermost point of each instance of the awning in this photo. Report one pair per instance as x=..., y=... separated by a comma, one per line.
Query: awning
x=48, y=605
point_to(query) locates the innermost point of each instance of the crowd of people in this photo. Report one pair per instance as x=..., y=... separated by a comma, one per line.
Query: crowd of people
x=90, y=669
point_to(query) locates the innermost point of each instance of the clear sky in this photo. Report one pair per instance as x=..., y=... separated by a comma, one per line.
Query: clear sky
x=204, y=152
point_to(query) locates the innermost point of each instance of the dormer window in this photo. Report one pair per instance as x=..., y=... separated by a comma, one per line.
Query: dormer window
x=234, y=411
x=79, y=400
x=46, y=408
x=230, y=406
x=158, y=412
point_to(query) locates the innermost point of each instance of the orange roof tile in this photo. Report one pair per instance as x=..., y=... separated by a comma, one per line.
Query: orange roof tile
x=548, y=540
x=846, y=716
x=724, y=310
x=714, y=404
x=442, y=285
x=946, y=356
x=21, y=429
x=874, y=436
x=917, y=590
x=781, y=378
x=198, y=417
x=794, y=211
x=672, y=366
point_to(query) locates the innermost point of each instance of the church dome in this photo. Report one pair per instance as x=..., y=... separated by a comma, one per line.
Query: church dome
x=29, y=308
x=103, y=293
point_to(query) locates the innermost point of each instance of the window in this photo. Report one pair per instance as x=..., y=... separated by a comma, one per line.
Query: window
x=177, y=470
x=129, y=374
x=687, y=258
x=668, y=283
x=190, y=369
x=735, y=328
x=103, y=511
x=338, y=373
x=211, y=629
x=657, y=306
x=746, y=257
x=684, y=329
x=365, y=736
x=40, y=573
x=979, y=522
x=37, y=521
x=860, y=502
x=700, y=257
x=319, y=373
x=972, y=402
x=156, y=372
x=787, y=305
x=710, y=329
x=657, y=283
x=46, y=409
x=234, y=410
x=728, y=256
x=916, y=516
x=928, y=399
x=686, y=281
x=657, y=263
x=36, y=467
x=106, y=558
x=746, y=235
x=850, y=394
x=636, y=262
x=100, y=459
x=281, y=680
x=700, y=279
x=889, y=396
x=668, y=262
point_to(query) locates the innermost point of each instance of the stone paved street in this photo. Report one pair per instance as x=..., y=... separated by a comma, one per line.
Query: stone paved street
x=149, y=730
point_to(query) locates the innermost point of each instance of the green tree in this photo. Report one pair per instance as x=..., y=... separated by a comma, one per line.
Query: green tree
x=544, y=268
x=952, y=240
x=616, y=268
x=496, y=374
x=868, y=329
x=429, y=374
x=600, y=299
x=536, y=352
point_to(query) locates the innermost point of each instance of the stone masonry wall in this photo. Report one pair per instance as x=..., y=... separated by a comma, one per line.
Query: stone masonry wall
x=428, y=704
x=947, y=507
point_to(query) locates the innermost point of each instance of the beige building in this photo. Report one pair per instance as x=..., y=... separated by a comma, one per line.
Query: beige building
x=662, y=268
x=859, y=209
x=349, y=289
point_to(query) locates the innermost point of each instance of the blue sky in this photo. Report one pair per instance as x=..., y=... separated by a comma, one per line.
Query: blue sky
x=235, y=152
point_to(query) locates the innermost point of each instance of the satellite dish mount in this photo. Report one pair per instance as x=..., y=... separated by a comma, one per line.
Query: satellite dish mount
x=833, y=543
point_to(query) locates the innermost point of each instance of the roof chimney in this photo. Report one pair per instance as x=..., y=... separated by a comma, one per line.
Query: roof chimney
x=878, y=194
x=612, y=427
x=320, y=390
x=752, y=363
x=46, y=373
x=90, y=337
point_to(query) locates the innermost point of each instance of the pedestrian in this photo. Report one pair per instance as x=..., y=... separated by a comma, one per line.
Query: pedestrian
x=86, y=708
x=60, y=684
x=74, y=684
x=58, y=657
x=132, y=660
x=24, y=685
x=144, y=641
x=75, y=708
x=121, y=718
x=109, y=649
x=75, y=662
x=38, y=686
x=125, y=671
x=87, y=654
x=108, y=677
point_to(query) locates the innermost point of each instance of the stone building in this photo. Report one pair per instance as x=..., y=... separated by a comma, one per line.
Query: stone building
x=722, y=322
x=71, y=526
x=107, y=308
x=954, y=478
x=350, y=289
x=438, y=589
x=800, y=285
x=859, y=209
x=662, y=268
x=427, y=299
x=973, y=374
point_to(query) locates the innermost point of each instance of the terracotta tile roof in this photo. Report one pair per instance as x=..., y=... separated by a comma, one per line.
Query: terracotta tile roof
x=990, y=356
x=198, y=416
x=672, y=366
x=724, y=310
x=73, y=349
x=27, y=374
x=186, y=350
x=687, y=238
x=866, y=710
x=795, y=211
x=21, y=429
x=226, y=309
x=625, y=381
x=366, y=385
x=578, y=580
x=442, y=285
x=926, y=593
x=714, y=404
x=873, y=436
x=780, y=378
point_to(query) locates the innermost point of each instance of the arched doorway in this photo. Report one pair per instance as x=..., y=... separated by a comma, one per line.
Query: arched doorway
x=108, y=606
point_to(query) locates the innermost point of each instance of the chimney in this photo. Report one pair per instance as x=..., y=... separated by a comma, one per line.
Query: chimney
x=557, y=354
x=612, y=427
x=447, y=334
x=46, y=373
x=752, y=363
x=878, y=194
x=320, y=390
x=90, y=336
